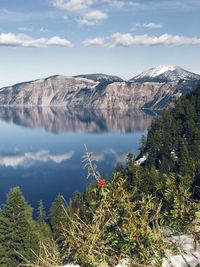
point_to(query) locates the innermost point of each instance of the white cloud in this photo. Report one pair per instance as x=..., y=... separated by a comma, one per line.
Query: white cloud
x=152, y=25
x=25, y=29
x=114, y=3
x=29, y=158
x=129, y=40
x=92, y=17
x=73, y=5
x=43, y=29
x=11, y=39
x=95, y=15
x=94, y=42
x=149, y=25
x=79, y=5
x=87, y=16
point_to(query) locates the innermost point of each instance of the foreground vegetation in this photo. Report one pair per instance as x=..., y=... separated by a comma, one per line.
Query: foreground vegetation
x=124, y=217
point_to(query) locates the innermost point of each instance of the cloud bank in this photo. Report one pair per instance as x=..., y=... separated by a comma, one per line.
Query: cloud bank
x=129, y=40
x=17, y=40
x=115, y=40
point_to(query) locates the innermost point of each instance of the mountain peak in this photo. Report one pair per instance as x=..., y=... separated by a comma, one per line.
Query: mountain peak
x=165, y=73
x=100, y=77
x=162, y=69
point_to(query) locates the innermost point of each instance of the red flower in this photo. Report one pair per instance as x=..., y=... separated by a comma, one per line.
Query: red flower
x=101, y=182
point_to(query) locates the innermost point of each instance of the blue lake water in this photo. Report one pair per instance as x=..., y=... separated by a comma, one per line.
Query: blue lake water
x=41, y=149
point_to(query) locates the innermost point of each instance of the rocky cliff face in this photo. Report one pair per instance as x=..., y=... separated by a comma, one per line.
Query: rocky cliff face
x=97, y=91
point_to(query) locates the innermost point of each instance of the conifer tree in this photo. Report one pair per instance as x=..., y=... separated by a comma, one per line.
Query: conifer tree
x=57, y=215
x=43, y=228
x=143, y=141
x=17, y=235
x=41, y=212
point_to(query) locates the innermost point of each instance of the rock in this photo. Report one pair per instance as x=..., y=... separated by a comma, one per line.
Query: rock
x=189, y=252
x=184, y=260
x=97, y=92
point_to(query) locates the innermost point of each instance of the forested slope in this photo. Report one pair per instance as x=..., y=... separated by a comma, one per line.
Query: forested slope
x=173, y=141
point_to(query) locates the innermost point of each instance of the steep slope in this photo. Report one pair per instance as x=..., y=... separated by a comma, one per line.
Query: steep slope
x=55, y=90
x=173, y=141
x=148, y=95
x=101, y=91
x=165, y=73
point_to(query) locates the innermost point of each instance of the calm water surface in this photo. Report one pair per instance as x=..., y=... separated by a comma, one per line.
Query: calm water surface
x=41, y=149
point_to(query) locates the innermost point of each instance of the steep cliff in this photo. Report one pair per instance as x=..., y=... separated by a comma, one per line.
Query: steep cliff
x=101, y=91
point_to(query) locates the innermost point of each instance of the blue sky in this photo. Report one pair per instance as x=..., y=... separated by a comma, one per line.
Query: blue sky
x=39, y=38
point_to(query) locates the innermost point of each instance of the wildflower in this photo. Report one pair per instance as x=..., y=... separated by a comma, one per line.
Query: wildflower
x=101, y=182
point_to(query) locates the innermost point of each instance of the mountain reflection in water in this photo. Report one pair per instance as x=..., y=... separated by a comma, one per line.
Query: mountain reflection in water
x=58, y=120
x=41, y=149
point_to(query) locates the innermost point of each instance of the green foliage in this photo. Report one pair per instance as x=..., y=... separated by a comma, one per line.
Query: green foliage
x=41, y=212
x=143, y=142
x=17, y=235
x=43, y=230
x=180, y=209
x=47, y=256
x=57, y=216
x=173, y=141
x=121, y=225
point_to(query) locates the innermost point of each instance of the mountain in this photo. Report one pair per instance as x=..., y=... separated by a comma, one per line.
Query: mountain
x=166, y=73
x=99, y=77
x=100, y=91
x=55, y=90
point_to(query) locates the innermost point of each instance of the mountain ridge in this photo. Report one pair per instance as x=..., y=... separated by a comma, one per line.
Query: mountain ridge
x=165, y=73
x=101, y=91
x=100, y=77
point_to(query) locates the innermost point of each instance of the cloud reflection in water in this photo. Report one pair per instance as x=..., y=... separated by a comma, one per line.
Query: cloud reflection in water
x=28, y=159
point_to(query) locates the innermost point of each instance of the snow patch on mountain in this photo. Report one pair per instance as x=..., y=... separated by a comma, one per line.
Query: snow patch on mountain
x=161, y=69
x=165, y=73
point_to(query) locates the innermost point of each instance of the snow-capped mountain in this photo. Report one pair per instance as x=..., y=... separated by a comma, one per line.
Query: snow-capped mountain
x=157, y=88
x=165, y=73
x=99, y=77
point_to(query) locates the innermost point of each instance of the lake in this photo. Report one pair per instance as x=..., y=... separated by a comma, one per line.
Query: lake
x=41, y=149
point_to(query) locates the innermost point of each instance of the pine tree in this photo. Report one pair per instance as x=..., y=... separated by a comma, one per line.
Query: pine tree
x=17, y=235
x=130, y=159
x=143, y=141
x=41, y=212
x=57, y=216
x=43, y=229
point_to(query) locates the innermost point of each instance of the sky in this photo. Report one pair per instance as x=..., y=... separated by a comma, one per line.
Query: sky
x=40, y=38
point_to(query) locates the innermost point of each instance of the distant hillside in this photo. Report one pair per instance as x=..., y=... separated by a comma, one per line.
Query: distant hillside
x=154, y=89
